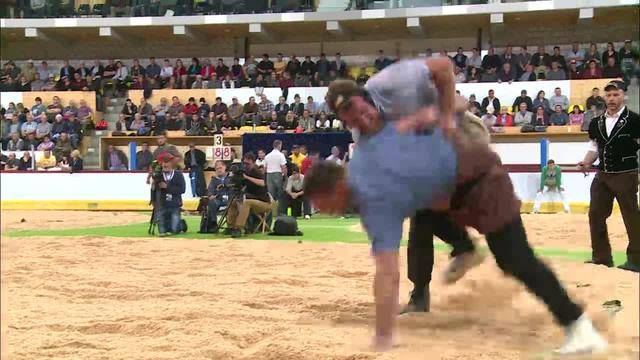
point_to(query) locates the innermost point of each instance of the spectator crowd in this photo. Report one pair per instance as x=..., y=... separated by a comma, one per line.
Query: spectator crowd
x=54, y=129
x=115, y=76
x=539, y=111
x=199, y=118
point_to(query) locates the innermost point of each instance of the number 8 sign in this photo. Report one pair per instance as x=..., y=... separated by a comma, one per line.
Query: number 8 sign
x=222, y=153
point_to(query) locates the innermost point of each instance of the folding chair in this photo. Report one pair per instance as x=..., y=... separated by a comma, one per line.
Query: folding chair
x=262, y=220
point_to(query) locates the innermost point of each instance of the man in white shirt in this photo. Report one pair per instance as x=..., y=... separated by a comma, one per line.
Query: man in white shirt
x=576, y=54
x=166, y=72
x=335, y=155
x=276, y=168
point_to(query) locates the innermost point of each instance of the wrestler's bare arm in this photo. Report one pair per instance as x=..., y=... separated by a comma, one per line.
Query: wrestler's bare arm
x=441, y=70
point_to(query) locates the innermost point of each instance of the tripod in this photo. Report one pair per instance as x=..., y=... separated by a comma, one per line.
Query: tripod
x=223, y=218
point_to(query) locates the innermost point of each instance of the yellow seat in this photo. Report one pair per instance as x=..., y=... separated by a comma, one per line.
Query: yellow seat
x=246, y=128
x=262, y=129
x=570, y=108
x=175, y=133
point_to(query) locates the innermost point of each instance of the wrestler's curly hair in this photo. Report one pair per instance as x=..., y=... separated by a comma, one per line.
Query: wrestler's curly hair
x=340, y=91
x=322, y=177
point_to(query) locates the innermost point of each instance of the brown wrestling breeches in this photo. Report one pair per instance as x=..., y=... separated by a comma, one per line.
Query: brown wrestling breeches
x=604, y=188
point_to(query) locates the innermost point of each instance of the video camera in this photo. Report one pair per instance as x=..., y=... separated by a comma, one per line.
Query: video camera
x=236, y=178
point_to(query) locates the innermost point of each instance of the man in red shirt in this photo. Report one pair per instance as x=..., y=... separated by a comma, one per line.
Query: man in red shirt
x=314, y=156
x=191, y=107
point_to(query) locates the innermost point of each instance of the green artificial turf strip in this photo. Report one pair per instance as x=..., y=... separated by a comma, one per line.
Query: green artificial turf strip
x=319, y=229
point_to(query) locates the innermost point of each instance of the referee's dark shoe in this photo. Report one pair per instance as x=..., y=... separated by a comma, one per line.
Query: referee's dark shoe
x=420, y=301
x=630, y=266
x=598, y=262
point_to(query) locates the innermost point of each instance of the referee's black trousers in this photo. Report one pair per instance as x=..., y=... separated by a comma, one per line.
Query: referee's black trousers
x=424, y=225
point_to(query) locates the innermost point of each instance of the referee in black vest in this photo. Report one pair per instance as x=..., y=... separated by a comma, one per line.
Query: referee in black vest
x=614, y=139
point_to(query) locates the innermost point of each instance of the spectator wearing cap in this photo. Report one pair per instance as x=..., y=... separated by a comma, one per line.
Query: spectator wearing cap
x=612, y=70
x=576, y=54
x=559, y=99
x=556, y=72
x=592, y=70
x=59, y=126
x=339, y=66
x=614, y=140
x=523, y=98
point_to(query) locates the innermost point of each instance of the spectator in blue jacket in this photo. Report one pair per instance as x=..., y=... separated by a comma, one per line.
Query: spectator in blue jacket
x=559, y=117
x=171, y=189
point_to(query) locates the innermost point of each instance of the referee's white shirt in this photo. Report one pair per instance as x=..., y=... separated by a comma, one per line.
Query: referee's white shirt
x=274, y=161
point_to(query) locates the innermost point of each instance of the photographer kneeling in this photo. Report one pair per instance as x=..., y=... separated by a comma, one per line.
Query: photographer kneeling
x=218, y=193
x=171, y=186
x=256, y=197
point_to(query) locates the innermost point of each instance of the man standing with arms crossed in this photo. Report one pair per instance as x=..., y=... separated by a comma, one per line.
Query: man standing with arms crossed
x=614, y=139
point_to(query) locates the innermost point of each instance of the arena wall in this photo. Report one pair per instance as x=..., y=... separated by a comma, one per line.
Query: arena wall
x=129, y=191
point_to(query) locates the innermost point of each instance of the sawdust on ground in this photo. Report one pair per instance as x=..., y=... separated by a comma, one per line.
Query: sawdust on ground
x=119, y=298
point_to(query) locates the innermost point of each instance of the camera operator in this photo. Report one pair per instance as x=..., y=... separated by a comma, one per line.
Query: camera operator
x=256, y=197
x=219, y=193
x=171, y=185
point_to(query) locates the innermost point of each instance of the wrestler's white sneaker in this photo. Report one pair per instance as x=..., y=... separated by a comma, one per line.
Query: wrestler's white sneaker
x=582, y=338
x=461, y=264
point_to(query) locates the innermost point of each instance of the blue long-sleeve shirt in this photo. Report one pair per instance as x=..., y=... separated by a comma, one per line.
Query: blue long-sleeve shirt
x=175, y=188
